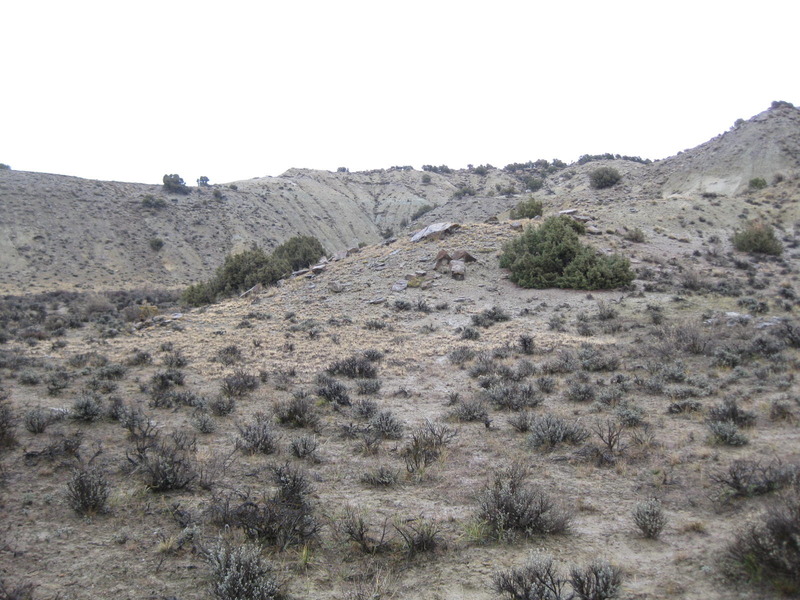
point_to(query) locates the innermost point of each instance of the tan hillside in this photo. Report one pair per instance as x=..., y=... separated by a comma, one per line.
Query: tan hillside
x=381, y=427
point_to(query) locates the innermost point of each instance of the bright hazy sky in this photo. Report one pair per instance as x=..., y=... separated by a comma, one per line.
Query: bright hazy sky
x=129, y=91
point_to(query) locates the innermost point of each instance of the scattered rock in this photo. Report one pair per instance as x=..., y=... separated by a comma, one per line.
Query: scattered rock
x=435, y=231
x=516, y=226
x=458, y=269
x=336, y=287
x=377, y=300
x=463, y=255
x=592, y=230
x=442, y=258
x=399, y=286
x=568, y=211
x=317, y=269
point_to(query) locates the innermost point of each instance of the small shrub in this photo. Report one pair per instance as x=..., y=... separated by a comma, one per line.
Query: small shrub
x=87, y=491
x=365, y=409
x=204, y=422
x=239, y=384
x=597, y=581
x=257, y=437
x=168, y=464
x=470, y=333
x=87, y=407
x=745, y=478
x=151, y=202
x=490, y=316
x=649, y=517
x=333, y=391
x=527, y=344
x=635, y=235
x=536, y=580
x=297, y=412
x=546, y=384
x=549, y=431
x=305, y=446
x=229, y=355
x=757, y=183
x=354, y=367
x=729, y=411
x=8, y=423
x=426, y=445
x=757, y=237
x=385, y=424
x=222, y=406
x=769, y=550
x=471, y=410
x=418, y=535
x=509, y=507
x=382, y=476
x=514, y=396
x=7, y=591
x=726, y=433
x=155, y=244
x=37, y=420
x=527, y=209
x=239, y=572
x=368, y=387
x=522, y=421
x=353, y=526
x=604, y=177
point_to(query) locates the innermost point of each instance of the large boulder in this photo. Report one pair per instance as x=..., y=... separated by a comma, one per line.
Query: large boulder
x=434, y=231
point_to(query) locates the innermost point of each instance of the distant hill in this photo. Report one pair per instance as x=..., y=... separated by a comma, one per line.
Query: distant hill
x=65, y=232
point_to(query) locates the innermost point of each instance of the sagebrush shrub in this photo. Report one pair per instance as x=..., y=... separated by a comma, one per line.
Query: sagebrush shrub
x=299, y=411
x=385, y=424
x=239, y=384
x=87, y=407
x=87, y=491
x=355, y=367
x=37, y=420
x=649, y=517
x=769, y=550
x=548, y=431
x=239, y=572
x=536, y=580
x=509, y=507
x=257, y=437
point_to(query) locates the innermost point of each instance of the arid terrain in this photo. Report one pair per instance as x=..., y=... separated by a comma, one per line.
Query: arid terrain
x=680, y=387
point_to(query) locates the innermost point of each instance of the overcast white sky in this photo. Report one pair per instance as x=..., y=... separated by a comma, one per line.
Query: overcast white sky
x=129, y=91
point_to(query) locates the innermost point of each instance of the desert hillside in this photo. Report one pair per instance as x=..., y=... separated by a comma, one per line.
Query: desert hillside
x=60, y=232
x=403, y=421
